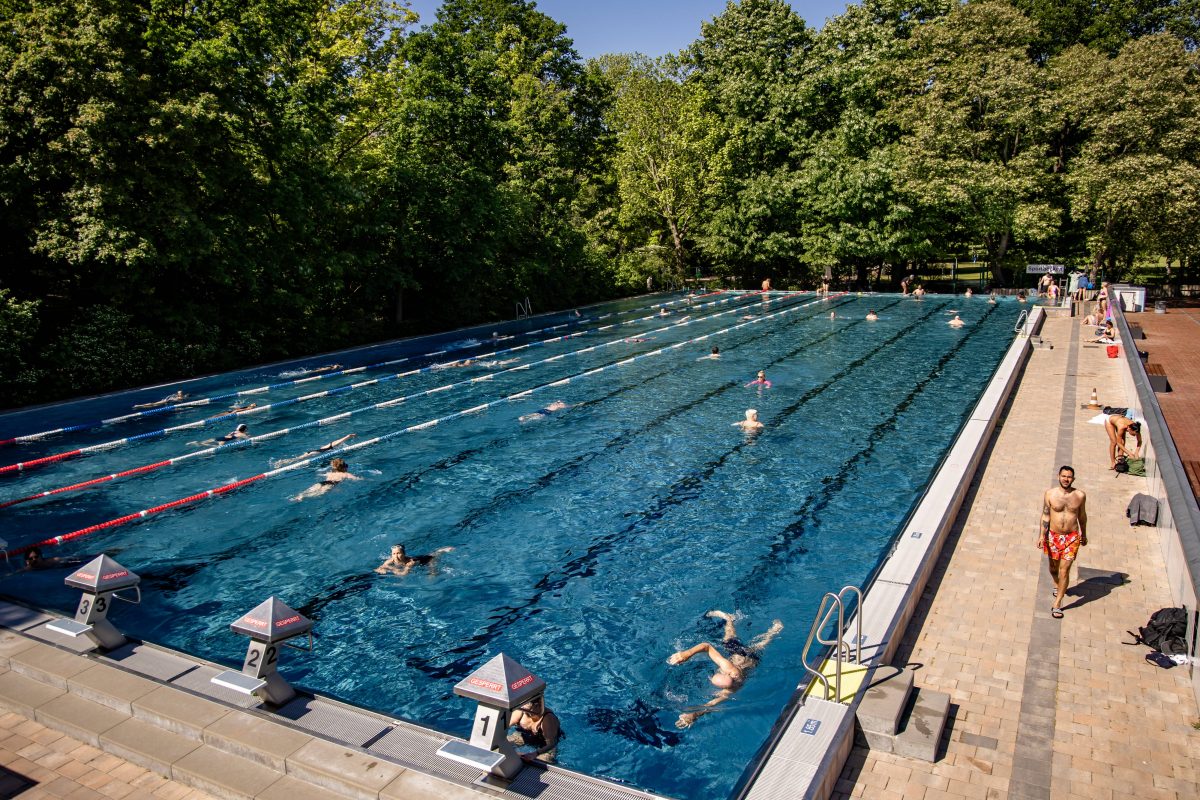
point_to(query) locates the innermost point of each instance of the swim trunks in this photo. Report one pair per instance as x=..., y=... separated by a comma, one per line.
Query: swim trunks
x=1061, y=546
x=736, y=648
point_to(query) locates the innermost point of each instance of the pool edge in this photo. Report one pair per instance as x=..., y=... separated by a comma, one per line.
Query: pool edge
x=799, y=760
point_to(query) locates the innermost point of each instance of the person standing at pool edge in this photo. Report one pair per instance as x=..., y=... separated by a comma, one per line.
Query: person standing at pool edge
x=732, y=671
x=1063, y=531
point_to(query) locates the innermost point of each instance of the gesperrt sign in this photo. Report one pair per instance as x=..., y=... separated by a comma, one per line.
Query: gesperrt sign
x=1040, y=269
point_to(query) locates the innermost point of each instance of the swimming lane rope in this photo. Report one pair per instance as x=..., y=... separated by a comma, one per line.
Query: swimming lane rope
x=21, y=466
x=203, y=401
x=225, y=447
x=234, y=485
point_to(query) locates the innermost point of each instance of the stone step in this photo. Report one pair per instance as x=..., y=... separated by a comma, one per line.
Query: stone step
x=884, y=702
x=147, y=745
x=24, y=695
x=222, y=774
x=923, y=728
x=259, y=740
x=82, y=719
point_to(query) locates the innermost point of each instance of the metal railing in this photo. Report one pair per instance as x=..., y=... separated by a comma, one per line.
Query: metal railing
x=842, y=649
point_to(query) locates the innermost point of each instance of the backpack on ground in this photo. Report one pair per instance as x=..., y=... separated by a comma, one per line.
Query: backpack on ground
x=1166, y=631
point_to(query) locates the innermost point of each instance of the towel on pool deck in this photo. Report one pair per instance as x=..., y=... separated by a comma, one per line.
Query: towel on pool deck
x=1142, y=510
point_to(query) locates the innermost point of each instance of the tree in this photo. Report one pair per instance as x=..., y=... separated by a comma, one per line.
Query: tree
x=1134, y=182
x=662, y=149
x=750, y=64
x=853, y=212
x=503, y=134
x=975, y=119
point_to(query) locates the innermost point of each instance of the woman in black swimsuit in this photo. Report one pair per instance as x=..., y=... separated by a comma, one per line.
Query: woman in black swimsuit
x=537, y=727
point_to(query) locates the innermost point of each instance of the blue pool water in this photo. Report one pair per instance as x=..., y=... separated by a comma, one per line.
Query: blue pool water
x=588, y=544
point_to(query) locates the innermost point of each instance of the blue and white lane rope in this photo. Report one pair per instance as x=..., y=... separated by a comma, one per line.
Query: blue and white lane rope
x=203, y=401
x=21, y=466
x=233, y=485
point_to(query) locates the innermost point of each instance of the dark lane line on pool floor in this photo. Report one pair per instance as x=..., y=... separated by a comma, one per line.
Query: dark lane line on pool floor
x=581, y=565
x=243, y=444
x=19, y=469
x=267, y=539
x=780, y=552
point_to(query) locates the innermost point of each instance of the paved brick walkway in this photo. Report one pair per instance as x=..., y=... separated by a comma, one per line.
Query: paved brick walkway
x=42, y=763
x=1045, y=708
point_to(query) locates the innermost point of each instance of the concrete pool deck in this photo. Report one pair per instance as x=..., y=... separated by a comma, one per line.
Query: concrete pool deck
x=1042, y=707
x=1045, y=708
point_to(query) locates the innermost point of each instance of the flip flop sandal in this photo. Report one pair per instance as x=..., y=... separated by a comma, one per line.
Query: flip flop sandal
x=1057, y=613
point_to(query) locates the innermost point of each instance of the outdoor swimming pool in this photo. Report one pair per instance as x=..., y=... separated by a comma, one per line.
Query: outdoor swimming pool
x=589, y=542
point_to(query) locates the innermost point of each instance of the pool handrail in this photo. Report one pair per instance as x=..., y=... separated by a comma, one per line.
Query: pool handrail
x=829, y=603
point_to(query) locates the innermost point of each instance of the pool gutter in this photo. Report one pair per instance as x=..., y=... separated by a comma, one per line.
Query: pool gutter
x=812, y=738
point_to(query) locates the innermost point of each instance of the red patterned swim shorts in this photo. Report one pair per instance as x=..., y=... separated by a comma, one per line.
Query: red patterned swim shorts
x=1061, y=546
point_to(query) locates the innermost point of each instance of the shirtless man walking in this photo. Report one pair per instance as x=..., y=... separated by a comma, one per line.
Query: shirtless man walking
x=1063, y=531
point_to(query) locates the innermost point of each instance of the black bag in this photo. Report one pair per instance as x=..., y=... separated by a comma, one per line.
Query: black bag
x=1122, y=465
x=1166, y=631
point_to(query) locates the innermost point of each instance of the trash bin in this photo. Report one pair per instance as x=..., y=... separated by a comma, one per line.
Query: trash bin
x=1160, y=306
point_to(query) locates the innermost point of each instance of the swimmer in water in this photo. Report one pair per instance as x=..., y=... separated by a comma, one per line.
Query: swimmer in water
x=872, y=316
x=542, y=413
x=400, y=563
x=760, y=380
x=245, y=407
x=991, y=299
x=833, y=315
x=538, y=727
x=968, y=293
x=714, y=355
x=240, y=432
x=662, y=312
x=636, y=340
x=339, y=471
x=34, y=561
x=171, y=398
x=956, y=322
x=732, y=670
x=750, y=423
x=325, y=448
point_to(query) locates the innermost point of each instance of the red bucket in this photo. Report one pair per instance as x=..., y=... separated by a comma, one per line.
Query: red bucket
x=1112, y=351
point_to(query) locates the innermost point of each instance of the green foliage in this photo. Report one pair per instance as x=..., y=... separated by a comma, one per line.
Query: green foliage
x=190, y=188
x=749, y=65
x=974, y=114
x=1134, y=181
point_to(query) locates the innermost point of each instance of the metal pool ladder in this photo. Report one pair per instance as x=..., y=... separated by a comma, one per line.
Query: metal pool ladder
x=1020, y=326
x=842, y=651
